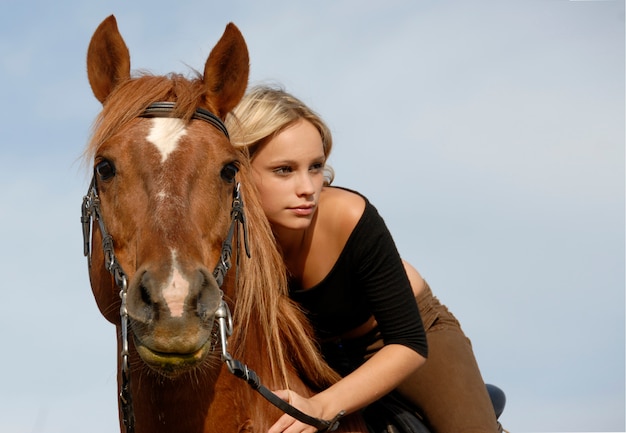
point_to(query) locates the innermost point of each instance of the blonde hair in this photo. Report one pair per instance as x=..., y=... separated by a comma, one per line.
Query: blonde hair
x=266, y=111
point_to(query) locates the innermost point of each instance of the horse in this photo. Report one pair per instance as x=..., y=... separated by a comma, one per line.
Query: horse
x=166, y=206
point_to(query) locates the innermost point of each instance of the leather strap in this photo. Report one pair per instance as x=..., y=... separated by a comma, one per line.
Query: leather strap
x=243, y=372
x=164, y=109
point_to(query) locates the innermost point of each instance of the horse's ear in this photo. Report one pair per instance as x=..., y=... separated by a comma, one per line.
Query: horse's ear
x=226, y=71
x=108, y=59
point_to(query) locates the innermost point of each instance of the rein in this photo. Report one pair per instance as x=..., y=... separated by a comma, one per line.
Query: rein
x=91, y=211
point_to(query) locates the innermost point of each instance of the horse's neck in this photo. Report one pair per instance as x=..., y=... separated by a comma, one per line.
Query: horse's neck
x=161, y=405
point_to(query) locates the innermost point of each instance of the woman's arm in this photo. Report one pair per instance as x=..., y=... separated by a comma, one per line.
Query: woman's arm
x=379, y=375
x=377, y=273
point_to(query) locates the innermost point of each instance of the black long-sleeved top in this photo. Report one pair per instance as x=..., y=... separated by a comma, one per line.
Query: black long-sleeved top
x=367, y=279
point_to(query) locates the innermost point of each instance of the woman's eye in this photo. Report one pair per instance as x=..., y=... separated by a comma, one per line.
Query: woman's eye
x=229, y=171
x=105, y=169
x=282, y=171
x=317, y=167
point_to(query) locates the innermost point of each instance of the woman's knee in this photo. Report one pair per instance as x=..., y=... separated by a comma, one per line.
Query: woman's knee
x=416, y=280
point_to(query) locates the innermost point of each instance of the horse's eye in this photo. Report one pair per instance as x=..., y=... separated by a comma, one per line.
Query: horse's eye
x=105, y=169
x=229, y=171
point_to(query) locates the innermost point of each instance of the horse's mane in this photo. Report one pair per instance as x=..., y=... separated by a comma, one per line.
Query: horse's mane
x=261, y=292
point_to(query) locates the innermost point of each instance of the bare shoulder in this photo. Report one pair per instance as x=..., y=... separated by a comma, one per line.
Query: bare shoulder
x=338, y=213
x=340, y=209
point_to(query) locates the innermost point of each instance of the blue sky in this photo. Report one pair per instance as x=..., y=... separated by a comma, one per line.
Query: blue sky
x=489, y=134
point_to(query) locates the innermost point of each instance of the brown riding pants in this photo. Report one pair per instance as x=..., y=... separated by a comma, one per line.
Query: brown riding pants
x=448, y=389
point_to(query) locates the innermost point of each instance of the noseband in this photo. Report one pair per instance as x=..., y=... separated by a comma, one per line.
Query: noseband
x=91, y=211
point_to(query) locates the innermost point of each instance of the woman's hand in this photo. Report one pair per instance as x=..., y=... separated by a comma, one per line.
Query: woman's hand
x=380, y=374
x=288, y=424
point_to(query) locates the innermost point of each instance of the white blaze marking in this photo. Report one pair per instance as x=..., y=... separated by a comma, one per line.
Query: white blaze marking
x=176, y=290
x=165, y=135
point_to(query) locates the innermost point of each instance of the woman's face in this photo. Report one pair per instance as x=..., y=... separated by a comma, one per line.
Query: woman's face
x=288, y=172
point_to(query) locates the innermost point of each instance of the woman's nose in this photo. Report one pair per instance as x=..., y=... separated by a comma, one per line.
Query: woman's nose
x=305, y=185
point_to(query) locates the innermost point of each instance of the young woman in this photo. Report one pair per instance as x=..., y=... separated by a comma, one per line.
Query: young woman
x=345, y=271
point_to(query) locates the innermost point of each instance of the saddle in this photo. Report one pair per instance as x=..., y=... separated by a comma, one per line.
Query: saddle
x=393, y=414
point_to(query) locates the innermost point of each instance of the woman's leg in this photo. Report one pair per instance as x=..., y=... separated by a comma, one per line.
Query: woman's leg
x=448, y=389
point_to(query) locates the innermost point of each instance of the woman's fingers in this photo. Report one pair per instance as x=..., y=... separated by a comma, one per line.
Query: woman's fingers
x=288, y=424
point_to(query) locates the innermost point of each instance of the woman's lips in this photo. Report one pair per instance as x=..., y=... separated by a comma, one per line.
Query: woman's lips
x=303, y=210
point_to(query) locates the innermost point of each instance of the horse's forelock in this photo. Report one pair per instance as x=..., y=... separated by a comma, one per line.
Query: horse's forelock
x=130, y=99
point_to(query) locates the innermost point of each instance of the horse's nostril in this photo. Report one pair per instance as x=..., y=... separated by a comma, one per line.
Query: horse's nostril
x=145, y=296
x=209, y=296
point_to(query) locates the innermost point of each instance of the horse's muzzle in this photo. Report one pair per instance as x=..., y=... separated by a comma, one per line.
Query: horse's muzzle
x=172, y=317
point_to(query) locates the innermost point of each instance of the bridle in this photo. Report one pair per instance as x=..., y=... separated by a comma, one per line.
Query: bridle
x=91, y=211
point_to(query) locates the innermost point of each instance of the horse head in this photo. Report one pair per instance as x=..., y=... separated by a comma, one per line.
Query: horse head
x=165, y=176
